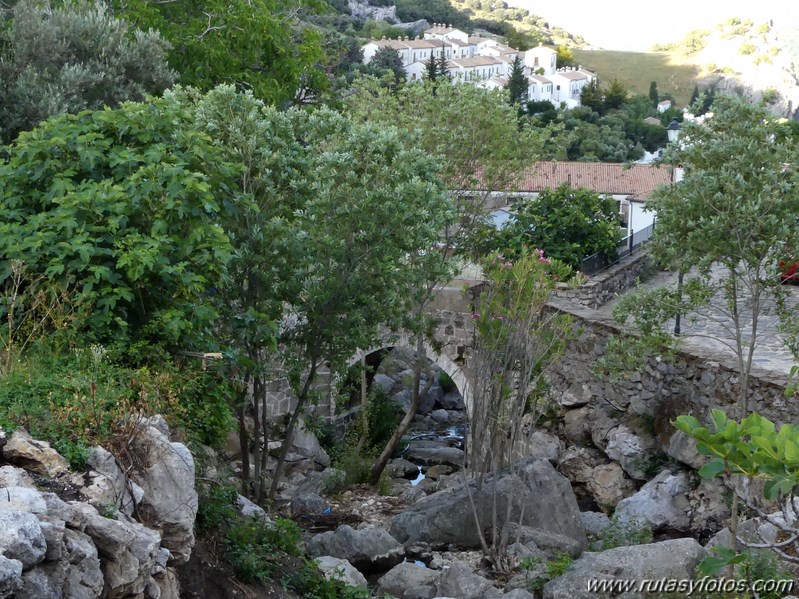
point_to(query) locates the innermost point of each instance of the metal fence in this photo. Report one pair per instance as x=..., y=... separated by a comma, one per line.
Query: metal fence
x=627, y=246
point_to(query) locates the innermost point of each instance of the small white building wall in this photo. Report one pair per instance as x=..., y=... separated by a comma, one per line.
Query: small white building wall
x=640, y=217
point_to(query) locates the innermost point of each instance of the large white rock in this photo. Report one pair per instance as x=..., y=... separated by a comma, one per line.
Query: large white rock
x=335, y=568
x=367, y=549
x=409, y=581
x=608, y=485
x=662, y=503
x=129, y=549
x=23, y=499
x=10, y=576
x=21, y=537
x=634, y=452
x=460, y=581
x=108, y=485
x=15, y=477
x=165, y=472
x=36, y=456
x=675, y=559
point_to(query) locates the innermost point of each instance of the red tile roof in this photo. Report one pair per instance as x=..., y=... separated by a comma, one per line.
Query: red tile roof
x=638, y=181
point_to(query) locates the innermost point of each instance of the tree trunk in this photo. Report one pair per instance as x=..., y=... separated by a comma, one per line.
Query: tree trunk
x=393, y=442
x=364, y=436
x=244, y=441
x=256, y=434
x=284, y=448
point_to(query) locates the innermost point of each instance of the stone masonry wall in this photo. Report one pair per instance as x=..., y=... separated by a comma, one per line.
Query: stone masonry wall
x=694, y=380
x=604, y=286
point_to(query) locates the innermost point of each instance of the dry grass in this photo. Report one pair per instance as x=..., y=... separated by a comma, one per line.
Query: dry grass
x=675, y=73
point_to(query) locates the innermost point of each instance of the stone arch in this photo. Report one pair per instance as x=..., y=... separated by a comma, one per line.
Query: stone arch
x=451, y=364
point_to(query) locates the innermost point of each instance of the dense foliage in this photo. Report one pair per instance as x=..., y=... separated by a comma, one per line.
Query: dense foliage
x=122, y=207
x=567, y=223
x=69, y=57
x=260, y=45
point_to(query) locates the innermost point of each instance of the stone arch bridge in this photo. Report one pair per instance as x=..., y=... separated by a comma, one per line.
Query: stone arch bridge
x=454, y=332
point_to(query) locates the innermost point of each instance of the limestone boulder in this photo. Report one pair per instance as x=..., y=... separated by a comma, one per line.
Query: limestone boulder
x=409, y=581
x=608, y=485
x=634, y=451
x=575, y=425
x=165, y=472
x=22, y=498
x=594, y=523
x=369, y=549
x=401, y=468
x=536, y=494
x=305, y=444
x=108, y=485
x=460, y=581
x=662, y=503
x=578, y=463
x=431, y=453
x=10, y=576
x=544, y=445
x=15, y=477
x=335, y=568
x=21, y=537
x=83, y=575
x=33, y=455
x=307, y=503
x=675, y=559
x=129, y=550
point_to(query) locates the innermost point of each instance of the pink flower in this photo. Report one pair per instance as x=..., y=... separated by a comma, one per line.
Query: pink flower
x=475, y=315
x=545, y=260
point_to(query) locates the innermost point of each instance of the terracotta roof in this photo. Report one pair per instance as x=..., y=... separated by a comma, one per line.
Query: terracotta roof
x=638, y=181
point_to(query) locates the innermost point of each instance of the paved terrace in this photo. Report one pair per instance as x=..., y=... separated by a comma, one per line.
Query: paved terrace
x=700, y=331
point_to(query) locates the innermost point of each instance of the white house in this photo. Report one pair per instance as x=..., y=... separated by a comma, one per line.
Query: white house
x=485, y=61
x=631, y=187
x=439, y=31
x=569, y=84
x=539, y=88
x=539, y=58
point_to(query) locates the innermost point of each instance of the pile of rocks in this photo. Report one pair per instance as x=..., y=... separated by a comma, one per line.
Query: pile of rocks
x=94, y=547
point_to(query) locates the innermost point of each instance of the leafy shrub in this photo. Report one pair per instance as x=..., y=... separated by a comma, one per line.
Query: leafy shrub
x=83, y=398
x=552, y=569
x=446, y=382
x=624, y=534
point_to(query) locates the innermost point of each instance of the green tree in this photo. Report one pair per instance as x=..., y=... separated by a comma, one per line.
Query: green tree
x=388, y=59
x=432, y=68
x=727, y=225
x=516, y=337
x=120, y=206
x=72, y=57
x=653, y=93
x=269, y=186
x=517, y=83
x=472, y=132
x=616, y=95
x=359, y=245
x=591, y=97
x=565, y=56
x=567, y=223
x=261, y=45
x=694, y=96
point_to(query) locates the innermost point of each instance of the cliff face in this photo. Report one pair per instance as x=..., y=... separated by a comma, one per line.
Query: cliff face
x=104, y=533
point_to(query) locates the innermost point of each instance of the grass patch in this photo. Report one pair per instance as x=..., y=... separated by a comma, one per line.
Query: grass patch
x=261, y=552
x=82, y=398
x=675, y=73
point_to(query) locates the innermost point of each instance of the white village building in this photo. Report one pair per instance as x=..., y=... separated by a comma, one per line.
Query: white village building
x=486, y=62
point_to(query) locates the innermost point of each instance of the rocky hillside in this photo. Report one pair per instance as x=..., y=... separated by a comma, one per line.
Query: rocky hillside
x=758, y=60
x=493, y=16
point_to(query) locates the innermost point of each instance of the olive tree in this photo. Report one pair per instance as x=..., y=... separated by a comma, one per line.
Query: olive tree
x=71, y=57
